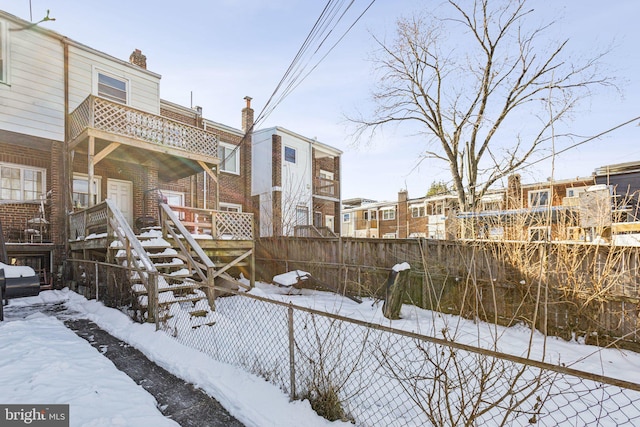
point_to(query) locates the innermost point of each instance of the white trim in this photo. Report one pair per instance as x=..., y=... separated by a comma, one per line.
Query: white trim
x=96, y=71
x=23, y=168
x=532, y=192
x=231, y=147
x=171, y=193
x=97, y=180
x=231, y=207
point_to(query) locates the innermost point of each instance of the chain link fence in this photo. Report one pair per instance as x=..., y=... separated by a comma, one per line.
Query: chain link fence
x=371, y=374
x=374, y=375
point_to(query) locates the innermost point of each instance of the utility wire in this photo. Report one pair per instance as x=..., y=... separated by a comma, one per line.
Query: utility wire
x=577, y=144
x=320, y=33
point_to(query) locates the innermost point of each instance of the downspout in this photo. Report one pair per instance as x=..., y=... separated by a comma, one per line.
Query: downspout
x=66, y=164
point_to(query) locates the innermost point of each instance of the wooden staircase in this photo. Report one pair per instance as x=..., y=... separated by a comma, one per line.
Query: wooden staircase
x=181, y=302
x=174, y=280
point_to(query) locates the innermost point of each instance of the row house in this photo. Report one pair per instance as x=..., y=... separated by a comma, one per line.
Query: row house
x=79, y=128
x=430, y=217
x=296, y=184
x=540, y=211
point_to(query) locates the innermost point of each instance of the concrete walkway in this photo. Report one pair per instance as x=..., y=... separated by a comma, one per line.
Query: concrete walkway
x=178, y=400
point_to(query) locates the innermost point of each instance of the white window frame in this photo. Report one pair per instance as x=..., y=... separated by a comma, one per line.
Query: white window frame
x=230, y=207
x=167, y=194
x=346, y=217
x=174, y=195
x=575, y=191
x=302, y=215
x=418, y=211
x=235, y=159
x=535, y=194
x=97, y=182
x=388, y=214
x=96, y=85
x=324, y=174
x=546, y=230
x=23, y=168
x=295, y=154
x=4, y=53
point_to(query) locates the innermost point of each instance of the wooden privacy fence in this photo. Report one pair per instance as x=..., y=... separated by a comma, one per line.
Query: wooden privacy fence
x=565, y=289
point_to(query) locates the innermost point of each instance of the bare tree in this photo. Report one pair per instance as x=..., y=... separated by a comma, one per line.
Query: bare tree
x=484, y=102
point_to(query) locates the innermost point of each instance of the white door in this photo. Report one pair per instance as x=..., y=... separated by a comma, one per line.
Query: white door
x=329, y=221
x=121, y=192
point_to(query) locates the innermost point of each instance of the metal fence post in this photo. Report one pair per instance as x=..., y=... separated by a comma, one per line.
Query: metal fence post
x=96, y=276
x=292, y=358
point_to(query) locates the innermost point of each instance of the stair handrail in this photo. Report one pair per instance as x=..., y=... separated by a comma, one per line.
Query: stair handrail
x=207, y=277
x=123, y=231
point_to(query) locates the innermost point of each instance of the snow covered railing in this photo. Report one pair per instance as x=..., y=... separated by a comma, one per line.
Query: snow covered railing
x=136, y=256
x=217, y=225
x=188, y=246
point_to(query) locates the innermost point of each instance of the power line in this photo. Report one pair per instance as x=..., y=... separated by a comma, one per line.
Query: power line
x=331, y=16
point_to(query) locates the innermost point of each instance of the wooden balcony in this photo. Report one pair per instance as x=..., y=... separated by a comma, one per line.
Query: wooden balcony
x=326, y=187
x=136, y=135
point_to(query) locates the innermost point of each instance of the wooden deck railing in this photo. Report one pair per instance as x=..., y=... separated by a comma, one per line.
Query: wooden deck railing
x=326, y=187
x=105, y=218
x=220, y=225
x=98, y=113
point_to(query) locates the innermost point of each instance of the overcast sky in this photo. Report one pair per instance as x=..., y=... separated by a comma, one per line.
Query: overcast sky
x=214, y=53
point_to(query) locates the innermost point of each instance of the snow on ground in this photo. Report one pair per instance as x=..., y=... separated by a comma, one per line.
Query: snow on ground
x=76, y=372
x=610, y=362
x=43, y=362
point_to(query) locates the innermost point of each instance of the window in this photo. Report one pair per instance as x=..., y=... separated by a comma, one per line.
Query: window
x=417, y=211
x=302, y=215
x=4, y=53
x=230, y=158
x=21, y=182
x=81, y=190
x=575, y=191
x=539, y=234
x=230, y=207
x=539, y=198
x=174, y=198
x=290, y=154
x=346, y=217
x=388, y=214
x=112, y=88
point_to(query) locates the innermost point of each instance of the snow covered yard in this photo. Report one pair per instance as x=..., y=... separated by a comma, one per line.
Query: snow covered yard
x=44, y=362
x=371, y=367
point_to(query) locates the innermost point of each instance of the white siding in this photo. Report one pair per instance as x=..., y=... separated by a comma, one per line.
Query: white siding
x=296, y=181
x=143, y=89
x=32, y=102
x=261, y=163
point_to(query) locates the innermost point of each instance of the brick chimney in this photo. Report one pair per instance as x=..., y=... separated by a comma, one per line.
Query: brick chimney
x=403, y=217
x=247, y=115
x=137, y=58
x=514, y=189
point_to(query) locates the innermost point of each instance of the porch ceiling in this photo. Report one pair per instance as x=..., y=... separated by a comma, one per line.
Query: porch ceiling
x=171, y=165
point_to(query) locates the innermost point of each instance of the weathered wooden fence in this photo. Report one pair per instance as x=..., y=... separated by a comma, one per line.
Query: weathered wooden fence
x=565, y=289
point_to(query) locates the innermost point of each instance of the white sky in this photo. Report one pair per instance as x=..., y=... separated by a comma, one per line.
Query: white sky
x=223, y=50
